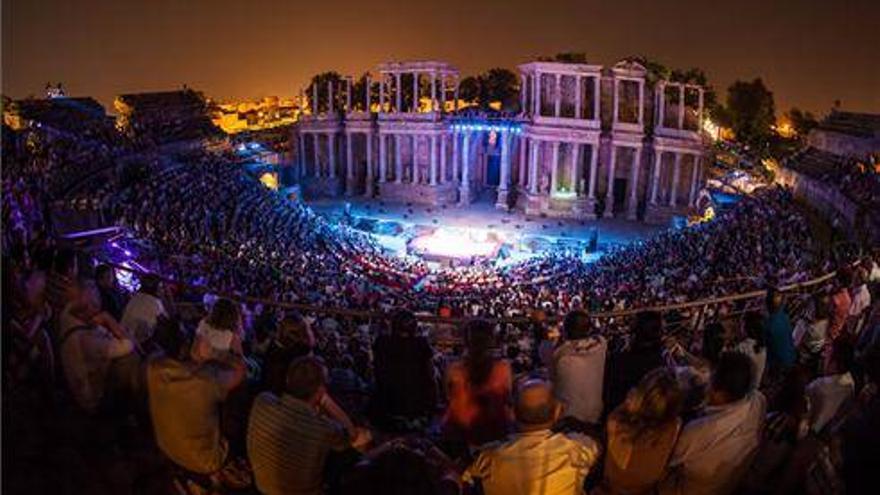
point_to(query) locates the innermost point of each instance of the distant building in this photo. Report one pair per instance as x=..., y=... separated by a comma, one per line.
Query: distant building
x=267, y=113
x=167, y=116
x=847, y=134
x=57, y=115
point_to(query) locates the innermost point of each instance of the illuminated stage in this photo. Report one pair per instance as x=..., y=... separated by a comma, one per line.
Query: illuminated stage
x=445, y=244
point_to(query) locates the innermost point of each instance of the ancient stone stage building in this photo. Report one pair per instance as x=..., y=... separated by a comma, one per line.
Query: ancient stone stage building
x=588, y=141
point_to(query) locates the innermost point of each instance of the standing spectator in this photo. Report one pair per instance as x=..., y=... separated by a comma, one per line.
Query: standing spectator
x=290, y=436
x=861, y=300
x=97, y=355
x=645, y=353
x=828, y=393
x=406, y=388
x=219, y=334
x=478, y=389
x=112, y=299
x=144, y=308
x=642, y=433
x=815, y=331
x=578, y=367
x=715, y=449
x=185, y=400
x=781, y=354
x=535, y=460
x=841, y=303
x=754, y=346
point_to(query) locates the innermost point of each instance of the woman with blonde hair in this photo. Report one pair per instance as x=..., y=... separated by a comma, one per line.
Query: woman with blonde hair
x=641, y=434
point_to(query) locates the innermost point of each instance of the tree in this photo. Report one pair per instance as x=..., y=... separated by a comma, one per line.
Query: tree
x=802, y=122
x=469, y=90
x=750, y=109
x=320, y=81
x=502, y=86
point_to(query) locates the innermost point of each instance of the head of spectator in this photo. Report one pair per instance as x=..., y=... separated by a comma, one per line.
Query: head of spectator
x=65, y=263
x=105, y=276
x=225, y=315
x=86, y=300
x=822, y=306
x=479, y=340
x=655, y=401
x=731, y=379
x=713, y=342
x=404, y=323
x=774, y=300
x=535, y=407
x=307, y=379
x=150, y=284
x=173, y=339
x=399, y=470
x=753, y=326
x=647, y=330
x=576, y=325
x=295, y=335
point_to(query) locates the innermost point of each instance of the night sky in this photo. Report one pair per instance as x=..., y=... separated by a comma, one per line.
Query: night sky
x=809, y=52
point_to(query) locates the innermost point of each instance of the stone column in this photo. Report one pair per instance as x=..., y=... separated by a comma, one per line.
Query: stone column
x=522, y=92
x=554, y=168
x=415, y=104
x=676, y=174
x=577, y=97
x=681, y=106
x=614, y=99
x=398, y=162
x=573, y=171
x=415, y=173
x=368, y=179
x=331, y=147
x=655, y=180
x=383, y=158
x=314, y=99
x=433, y=90
x=317, y=171
x=537, y=100
x=597, y=103
x=349, y=166
x=455, y=104
x=692, y=196
x=609, y=194
x=632, y=207
x=433, y=157
x=661, y=103
x=594, y=170
x=465, y=188
x=397, y=95
x=331, y=106
x=367, y=86
x=382, y=84
x=557, y=97
x=523, y=164
x=504, y=182
x=443, y=138
x=455, y=156
x=700, y=112
x=302, y=156
x=442, y=93
x=641, y=102
x=533, y=166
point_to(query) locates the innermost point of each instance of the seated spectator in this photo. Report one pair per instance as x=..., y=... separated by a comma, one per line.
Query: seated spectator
x=815, y=330
x=112, y=298
x=642, y=433
x=144, y=308
x=185, y=400
x=218, y=335
x=404, y=467
x=578, y=367
x=754, y=346
x=828, y=393
x=290, y=436
x=715, y=449
x=645, y=353
x=781, y=354
x=861, y=300
x=27, y=348
x=841, y=303
x=535, y=459
x=860, y=433
x=478, y=389
x=406, y=388
x=97, y=355
x=293, y=339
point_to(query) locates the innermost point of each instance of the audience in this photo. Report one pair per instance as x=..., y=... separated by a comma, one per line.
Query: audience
x=535, y=459
x=144, y=309
x=644, y=353
x=829, y=392
x=113, y=299
x=754, y=346
x=780, y=340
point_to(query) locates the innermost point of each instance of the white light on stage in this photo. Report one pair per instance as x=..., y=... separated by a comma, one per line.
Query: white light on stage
x=459, y=243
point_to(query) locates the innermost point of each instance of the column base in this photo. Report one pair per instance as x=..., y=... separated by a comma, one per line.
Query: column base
x=584, y=208
x=503, y=200
x=351, y=184
x=609, y=208
x=465, y=195
x=369, y=191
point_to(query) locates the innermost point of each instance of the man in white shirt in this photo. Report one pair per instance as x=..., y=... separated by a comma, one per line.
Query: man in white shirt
x=715, y=449
x=536, y=460
x=92, y=347
x=144, y=309
x=578, y=369
x=829, y=392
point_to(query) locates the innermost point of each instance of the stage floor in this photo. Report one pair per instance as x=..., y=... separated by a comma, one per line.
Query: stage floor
x=392, y=223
